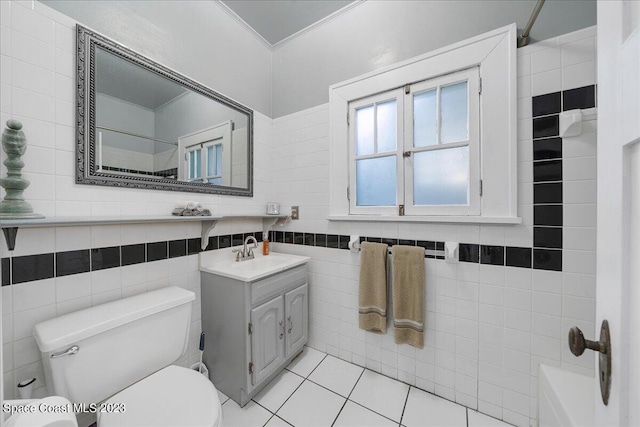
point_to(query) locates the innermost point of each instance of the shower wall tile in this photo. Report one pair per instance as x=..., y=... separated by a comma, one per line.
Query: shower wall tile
x=501, y=295
x=472, y=309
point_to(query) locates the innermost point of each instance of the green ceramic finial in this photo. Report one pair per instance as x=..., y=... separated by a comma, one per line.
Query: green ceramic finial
x=14, y=144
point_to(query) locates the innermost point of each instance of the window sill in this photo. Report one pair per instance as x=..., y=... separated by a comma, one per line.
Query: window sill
x=438, y=219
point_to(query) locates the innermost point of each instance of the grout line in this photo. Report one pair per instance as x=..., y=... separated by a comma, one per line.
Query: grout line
x=263, y=407
x=357, y=381
x=313, y=370
x=405, y=404
x=541, y=138
x=339, y=412
x=348, y=396
x=543, y=115
x=283, y=420
x=347, y=399
x=375, y=412
x=391, y=378
x=270, y=418
x=326, y=388
x=466, y=412
x=296, y=389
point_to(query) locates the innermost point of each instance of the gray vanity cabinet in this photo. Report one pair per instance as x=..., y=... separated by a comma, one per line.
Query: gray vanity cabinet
x=296, y=303
x=267, y=337
x=279, y=330
x=253, y=329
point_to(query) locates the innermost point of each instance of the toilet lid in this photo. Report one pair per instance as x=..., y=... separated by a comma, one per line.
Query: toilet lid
x=173, y=396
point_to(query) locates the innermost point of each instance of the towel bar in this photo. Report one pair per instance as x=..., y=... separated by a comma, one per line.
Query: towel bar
x=427, y=252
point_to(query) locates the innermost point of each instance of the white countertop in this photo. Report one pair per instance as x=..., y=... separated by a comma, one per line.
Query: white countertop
x=223, y=263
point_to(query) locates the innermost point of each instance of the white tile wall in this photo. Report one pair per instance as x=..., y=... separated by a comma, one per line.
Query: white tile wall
x=26, y=304
x=487, y=327
x=37, y=58
x=38, y=70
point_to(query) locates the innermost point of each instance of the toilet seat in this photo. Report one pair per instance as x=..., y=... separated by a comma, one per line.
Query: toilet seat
x=173, y=396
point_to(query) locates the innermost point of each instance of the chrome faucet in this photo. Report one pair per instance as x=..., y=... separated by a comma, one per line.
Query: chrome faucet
x=246, y=253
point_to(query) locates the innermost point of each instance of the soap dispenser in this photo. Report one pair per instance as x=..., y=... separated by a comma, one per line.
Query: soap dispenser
x=265, y=243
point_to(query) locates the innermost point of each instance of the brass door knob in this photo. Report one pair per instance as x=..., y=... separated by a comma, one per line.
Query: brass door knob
x=578, y=344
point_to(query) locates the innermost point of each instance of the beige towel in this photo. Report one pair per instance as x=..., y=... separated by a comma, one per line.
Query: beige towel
x=373, y=287
x=408, y=295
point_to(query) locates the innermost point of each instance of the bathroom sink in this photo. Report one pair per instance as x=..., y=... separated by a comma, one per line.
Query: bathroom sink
x=251, y=270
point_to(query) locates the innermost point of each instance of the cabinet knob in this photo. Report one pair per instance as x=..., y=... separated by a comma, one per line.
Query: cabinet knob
x=290, y=324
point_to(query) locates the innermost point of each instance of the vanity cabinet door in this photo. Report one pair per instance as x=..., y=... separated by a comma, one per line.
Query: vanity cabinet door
x=296, y=304
x=267, y=338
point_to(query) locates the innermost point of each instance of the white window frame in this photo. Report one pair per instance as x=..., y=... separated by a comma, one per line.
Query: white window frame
x=494, y=53
x=471, y=76
x=220, y=134
x=376, y=99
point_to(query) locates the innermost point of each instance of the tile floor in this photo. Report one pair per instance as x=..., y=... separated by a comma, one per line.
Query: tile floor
x=320, y=390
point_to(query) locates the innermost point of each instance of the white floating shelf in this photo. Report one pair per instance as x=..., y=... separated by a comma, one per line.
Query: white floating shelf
x=74, y=221
x=10, y=226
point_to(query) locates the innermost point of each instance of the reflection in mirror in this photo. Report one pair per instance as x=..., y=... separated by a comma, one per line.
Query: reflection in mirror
x=150, y=127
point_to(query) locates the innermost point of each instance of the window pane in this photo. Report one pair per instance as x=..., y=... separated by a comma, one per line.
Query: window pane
x=425, y=119
x=197, y=163
x=364, y=131
x=219, y=160
x=194, y=164
x=387, y=125
x=376, y=182
x=214, y=160
x=215, y=181
x=453, y=111
x=441, y=177
x=211, y=161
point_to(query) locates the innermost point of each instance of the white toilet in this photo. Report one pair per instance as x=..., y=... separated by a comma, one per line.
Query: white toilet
x=118, y=355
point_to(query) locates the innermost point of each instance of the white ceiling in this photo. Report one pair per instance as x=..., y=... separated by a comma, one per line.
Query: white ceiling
x=275, y=20
x=129, y=82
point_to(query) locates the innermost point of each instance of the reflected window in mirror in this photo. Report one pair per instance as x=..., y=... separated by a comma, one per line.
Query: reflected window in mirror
x=147, y=126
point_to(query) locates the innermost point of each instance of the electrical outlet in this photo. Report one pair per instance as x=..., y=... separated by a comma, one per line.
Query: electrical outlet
x=295, y=212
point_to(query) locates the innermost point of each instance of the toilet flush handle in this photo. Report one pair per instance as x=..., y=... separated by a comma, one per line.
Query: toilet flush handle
x=67, y=352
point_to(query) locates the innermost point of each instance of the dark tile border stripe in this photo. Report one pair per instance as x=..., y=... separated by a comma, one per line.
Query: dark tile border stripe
x=133, y=254
x=103, y=258
x=6, y=271
x=157, y=251
x=32, y=267
x=493, y=255
x=177, y=248
x=518, y=257
x=545, y=253
x=72, y=262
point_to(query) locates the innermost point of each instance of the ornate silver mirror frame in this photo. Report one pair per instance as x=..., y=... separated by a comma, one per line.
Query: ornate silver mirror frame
x=86, y=173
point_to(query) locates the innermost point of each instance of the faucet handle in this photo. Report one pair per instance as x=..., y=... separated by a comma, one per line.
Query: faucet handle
x=238, y=251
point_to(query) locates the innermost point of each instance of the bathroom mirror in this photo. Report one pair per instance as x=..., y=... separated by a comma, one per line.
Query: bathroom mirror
x=142, y=125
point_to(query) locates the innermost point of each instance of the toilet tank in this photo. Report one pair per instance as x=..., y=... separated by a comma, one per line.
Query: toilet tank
x=119, y=343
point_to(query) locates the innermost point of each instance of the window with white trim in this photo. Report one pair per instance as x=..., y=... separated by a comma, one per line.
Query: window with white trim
x=204, y=163
x=454, y=157
x=415, y=150
x=206, y=155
